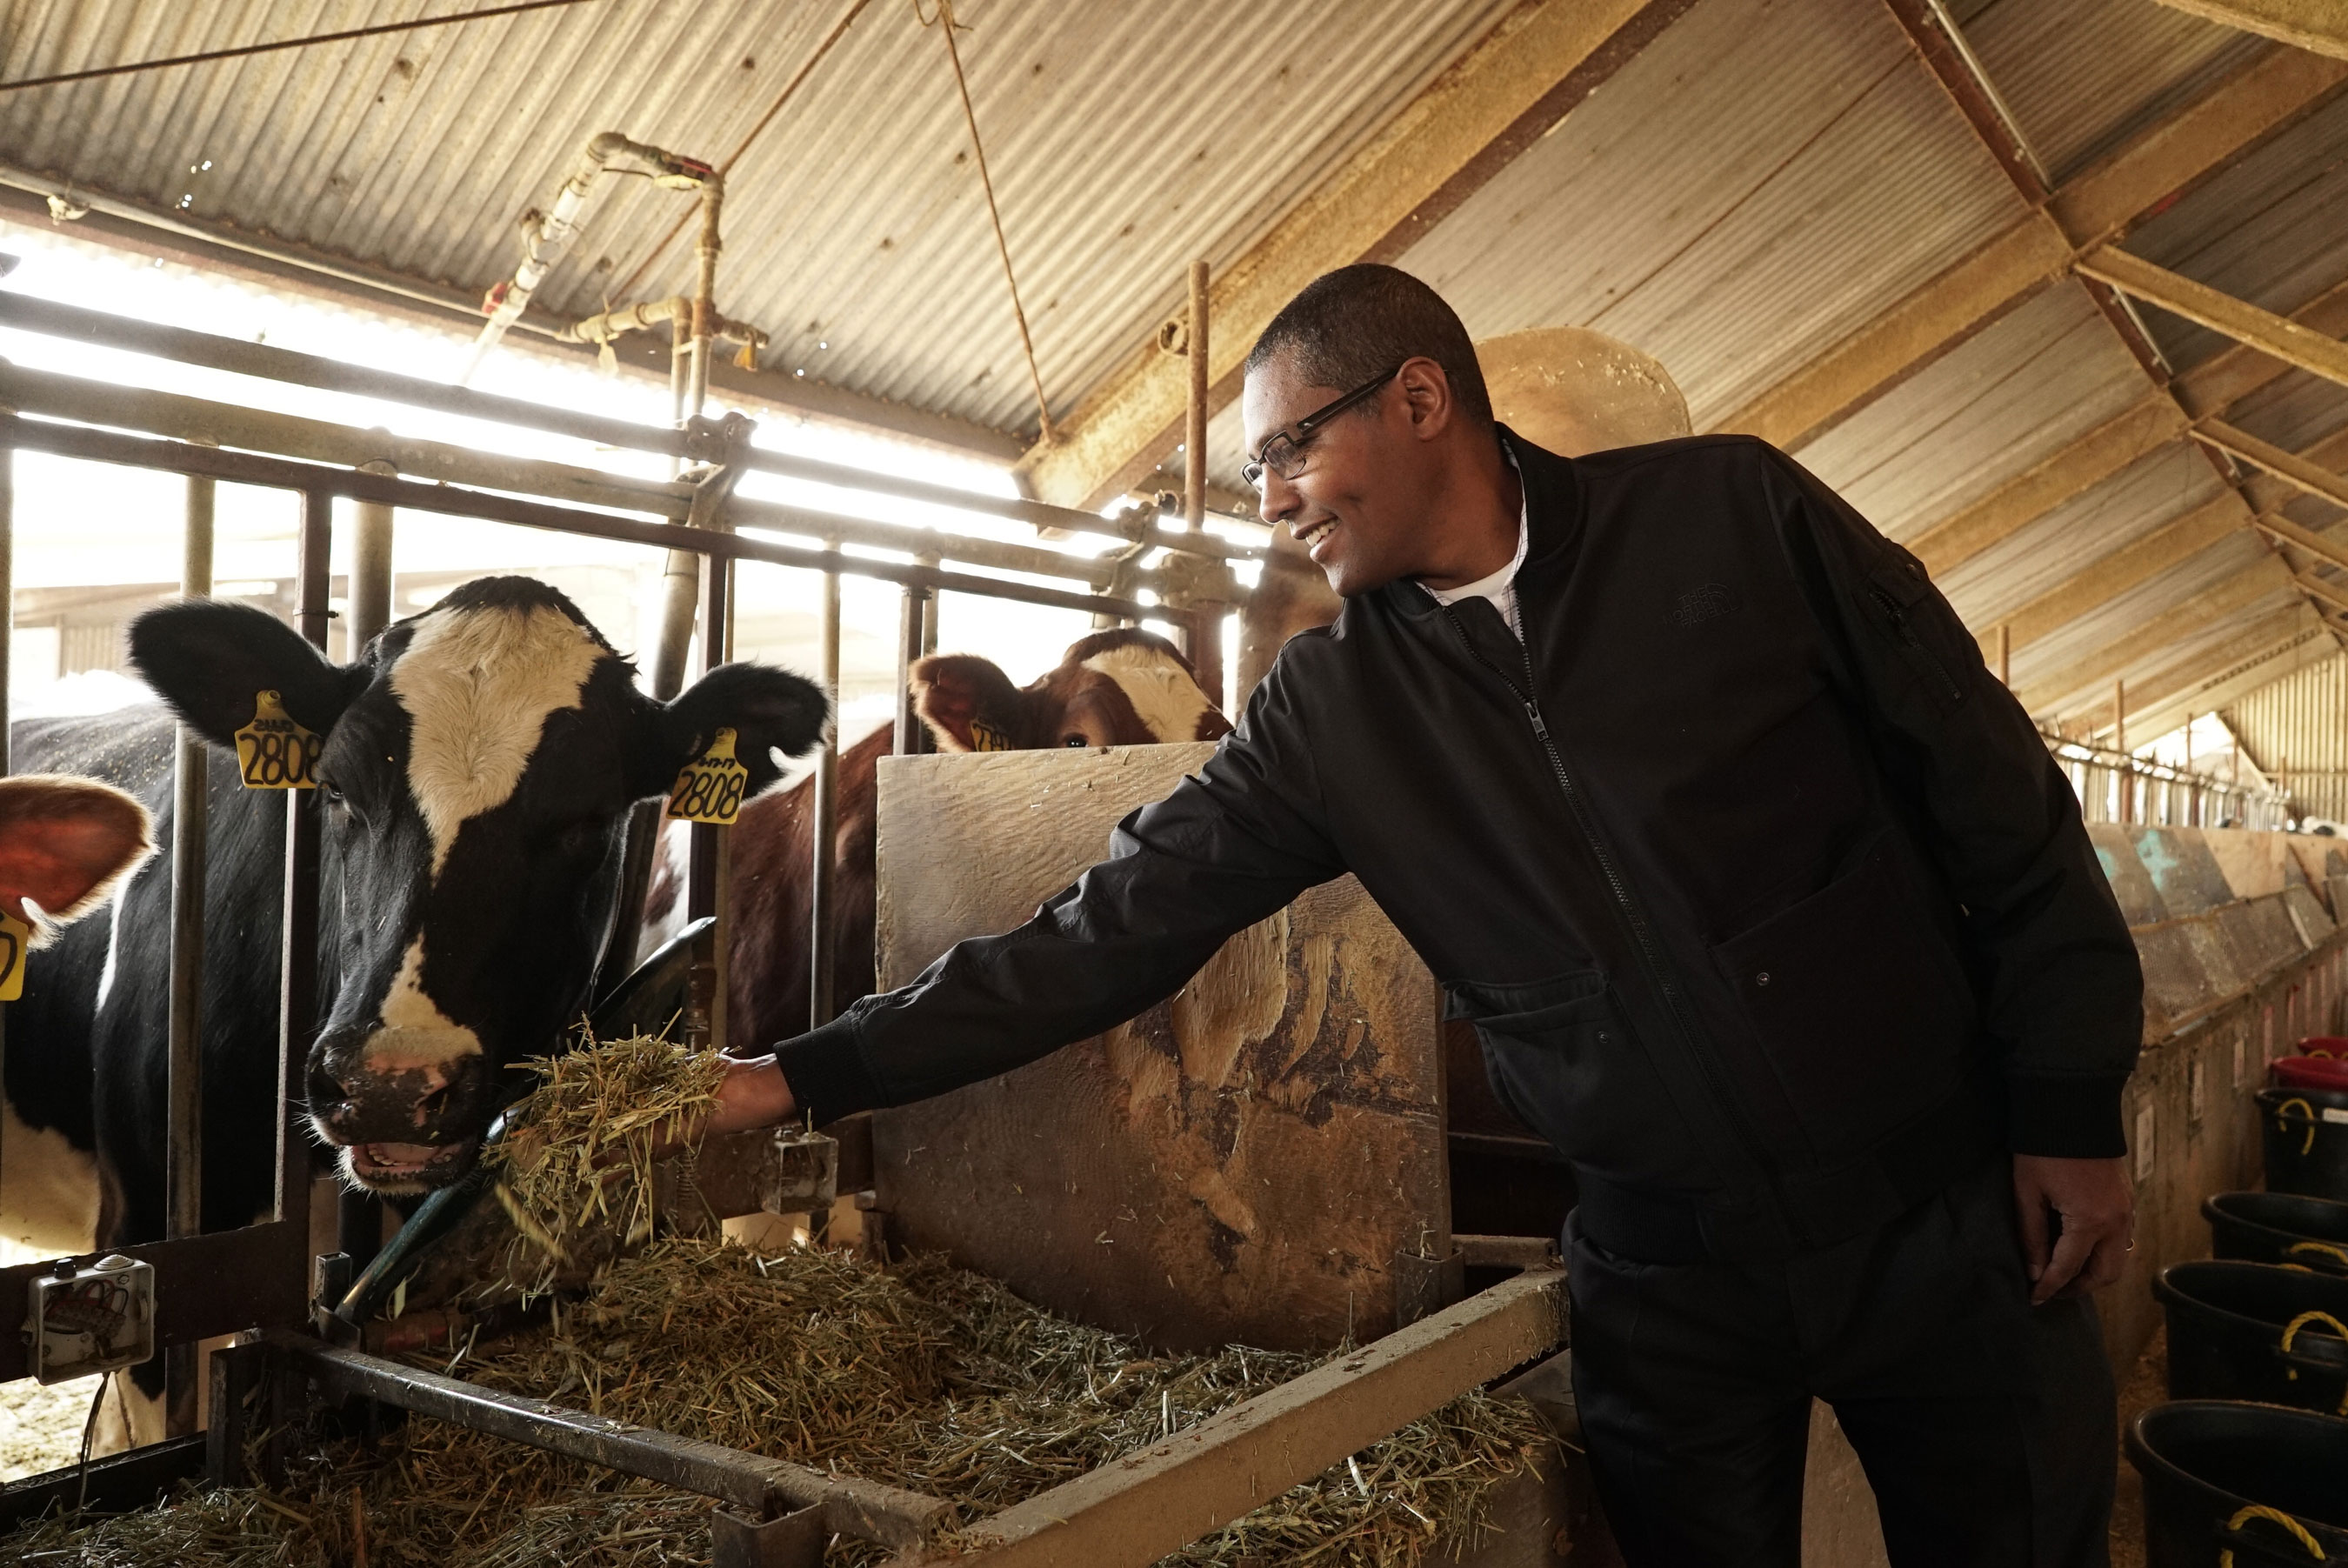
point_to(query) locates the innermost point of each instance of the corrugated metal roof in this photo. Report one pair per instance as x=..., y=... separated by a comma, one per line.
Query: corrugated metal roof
x=2110, y=623
x=1709, y=204
x=1123, y=142
x=2271, y=229
x=2084, y=75
x=1764, y=180
x=2012, y=395
x=2154, y=489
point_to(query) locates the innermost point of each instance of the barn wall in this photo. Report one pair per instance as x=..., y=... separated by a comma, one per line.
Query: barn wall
x=2296, y=729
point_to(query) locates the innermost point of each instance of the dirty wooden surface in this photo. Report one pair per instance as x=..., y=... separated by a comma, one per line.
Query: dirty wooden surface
x=1239, y=1165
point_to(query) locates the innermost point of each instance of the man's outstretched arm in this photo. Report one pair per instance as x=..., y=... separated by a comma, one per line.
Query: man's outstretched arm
x=1227, y=849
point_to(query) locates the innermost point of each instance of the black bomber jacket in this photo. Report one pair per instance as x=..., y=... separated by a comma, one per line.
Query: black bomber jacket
x=1769, y=905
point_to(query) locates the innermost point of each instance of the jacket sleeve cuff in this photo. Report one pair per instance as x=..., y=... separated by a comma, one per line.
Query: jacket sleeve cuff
x=826, y=1071
x=2067, y=1116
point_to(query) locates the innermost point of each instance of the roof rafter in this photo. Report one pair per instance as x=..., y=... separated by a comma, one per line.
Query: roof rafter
x=2318, y=24
x=1512, y=88
x=2096, y=207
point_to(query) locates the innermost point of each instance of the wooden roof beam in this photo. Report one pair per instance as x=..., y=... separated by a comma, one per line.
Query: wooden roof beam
x=2095, y=208
x=2219, y=601
x=2320, y=26
x=2229, y=377
x=2293, y=642
x=2279, y=336
x=2133, y=564
x=2080, y=467
x=2300, y=471
x=1543, y=58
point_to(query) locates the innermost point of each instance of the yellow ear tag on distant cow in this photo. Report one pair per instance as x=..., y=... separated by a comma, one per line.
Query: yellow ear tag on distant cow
x=274, y=752
x=985, y=736
x=16, y=941
x=711, y=789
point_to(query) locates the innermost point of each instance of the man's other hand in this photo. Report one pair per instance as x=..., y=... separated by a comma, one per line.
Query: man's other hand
x=753, y=1094
x=2092, y=1231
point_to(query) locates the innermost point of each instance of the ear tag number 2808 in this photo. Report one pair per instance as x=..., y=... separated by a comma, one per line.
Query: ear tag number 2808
x=710, y=789
x=274, y=752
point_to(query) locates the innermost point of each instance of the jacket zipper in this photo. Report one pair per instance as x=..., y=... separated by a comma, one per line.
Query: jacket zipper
x=1917, y=651
x=1650, y=951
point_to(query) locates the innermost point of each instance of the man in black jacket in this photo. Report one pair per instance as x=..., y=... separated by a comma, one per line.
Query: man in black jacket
x=1769, y=905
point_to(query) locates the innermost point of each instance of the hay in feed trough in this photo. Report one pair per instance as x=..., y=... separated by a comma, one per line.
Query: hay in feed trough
x=923, y=1376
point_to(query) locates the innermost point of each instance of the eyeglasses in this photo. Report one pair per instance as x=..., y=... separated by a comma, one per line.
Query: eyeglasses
x=1284, y=453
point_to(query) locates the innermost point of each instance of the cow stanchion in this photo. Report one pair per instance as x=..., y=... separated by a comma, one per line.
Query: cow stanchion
x=185, y=1029
x=823, y=872
x=359, y=1216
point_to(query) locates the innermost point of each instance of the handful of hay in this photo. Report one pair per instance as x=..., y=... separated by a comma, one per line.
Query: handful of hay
x=575, y=1174
x=925, y=1377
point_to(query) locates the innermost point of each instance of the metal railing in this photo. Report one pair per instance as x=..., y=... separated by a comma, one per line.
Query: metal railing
x=2115, y=787
x=258, y=1277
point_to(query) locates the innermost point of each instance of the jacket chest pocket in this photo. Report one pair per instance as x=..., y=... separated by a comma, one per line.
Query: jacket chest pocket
x=1562, y=1055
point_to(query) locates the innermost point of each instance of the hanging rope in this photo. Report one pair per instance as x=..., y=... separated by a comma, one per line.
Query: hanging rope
x=660, y=247
x=1002, y=247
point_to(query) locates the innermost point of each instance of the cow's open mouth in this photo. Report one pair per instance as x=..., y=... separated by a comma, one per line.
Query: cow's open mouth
x=408, y=1167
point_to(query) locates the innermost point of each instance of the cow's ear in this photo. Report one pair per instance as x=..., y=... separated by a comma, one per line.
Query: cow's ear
x=210, y=660
x=967, y=702
x=767, y=709
x=65, y=841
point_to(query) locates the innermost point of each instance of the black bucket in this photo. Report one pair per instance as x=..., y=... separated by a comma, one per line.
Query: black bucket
x=2278, y=1228
x=2306, y=1149
x=2226, y=1325
x=2215, y=1475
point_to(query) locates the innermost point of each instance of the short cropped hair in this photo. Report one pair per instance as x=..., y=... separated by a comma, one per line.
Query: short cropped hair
x=1349, y=324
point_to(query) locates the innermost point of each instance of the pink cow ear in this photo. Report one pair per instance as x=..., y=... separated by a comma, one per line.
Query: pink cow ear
x=967, y=703
x=64, y=842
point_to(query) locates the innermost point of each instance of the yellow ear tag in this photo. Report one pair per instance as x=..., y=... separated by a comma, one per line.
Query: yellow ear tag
x=16, y=942
x=985, y=736
x=274, y=752
x=710, y=789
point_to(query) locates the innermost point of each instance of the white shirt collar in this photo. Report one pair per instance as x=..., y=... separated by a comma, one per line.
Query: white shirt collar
x=1500, y=586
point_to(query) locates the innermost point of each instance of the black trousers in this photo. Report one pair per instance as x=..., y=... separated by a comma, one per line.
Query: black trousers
x=1987, y=1425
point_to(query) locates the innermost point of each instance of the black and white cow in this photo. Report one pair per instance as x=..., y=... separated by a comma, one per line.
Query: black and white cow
x=479, y=764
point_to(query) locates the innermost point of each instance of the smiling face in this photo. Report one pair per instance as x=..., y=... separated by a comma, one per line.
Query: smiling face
x=1373, y=476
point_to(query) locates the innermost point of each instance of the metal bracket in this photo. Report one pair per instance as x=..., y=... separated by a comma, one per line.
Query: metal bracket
x=1425, y=1286
x=794, y=1541
x=719, y=441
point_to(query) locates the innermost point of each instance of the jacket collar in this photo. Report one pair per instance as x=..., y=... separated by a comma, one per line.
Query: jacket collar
x=1552, y=514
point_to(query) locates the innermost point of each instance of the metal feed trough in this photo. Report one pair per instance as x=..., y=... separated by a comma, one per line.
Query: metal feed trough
x=263, y=1283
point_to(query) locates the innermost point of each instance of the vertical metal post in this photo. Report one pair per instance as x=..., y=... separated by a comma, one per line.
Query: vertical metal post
x=184, y=1125
x=706, y=878
x=359, y=1216
x=912, y=615
x=2119, y=744
x=1207, y=616
x=297, y=994
x=823, y=940
x=7, y=645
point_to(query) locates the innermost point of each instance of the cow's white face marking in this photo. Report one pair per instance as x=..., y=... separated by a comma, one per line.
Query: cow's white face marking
x=49, y=1187
x=478, y=685
x=1162, y=693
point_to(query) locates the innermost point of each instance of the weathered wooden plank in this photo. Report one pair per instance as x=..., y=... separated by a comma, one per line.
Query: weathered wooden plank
x=2229, y=377
x=2280, y=335
x=2040, y=488
x=2137, y=561
x=2291, y=468
x=2320, y=26
x=2213, y=605
x=2092, y=208
x=1242, y=1164
x=1131, y=1513
x=1542, y=59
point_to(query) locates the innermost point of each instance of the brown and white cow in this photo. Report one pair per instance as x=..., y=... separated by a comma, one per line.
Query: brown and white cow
x=1121, y=688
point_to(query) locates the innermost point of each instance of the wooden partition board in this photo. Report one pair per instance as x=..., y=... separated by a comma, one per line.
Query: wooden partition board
x=1242, y=1164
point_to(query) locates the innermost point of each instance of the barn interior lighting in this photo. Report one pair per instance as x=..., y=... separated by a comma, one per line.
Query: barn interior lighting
x=9, y=264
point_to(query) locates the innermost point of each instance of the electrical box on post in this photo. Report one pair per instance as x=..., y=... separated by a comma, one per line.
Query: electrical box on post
x=99, y=1318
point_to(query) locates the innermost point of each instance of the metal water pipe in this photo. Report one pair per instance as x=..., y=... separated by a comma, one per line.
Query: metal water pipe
x=544, y=242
